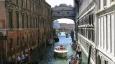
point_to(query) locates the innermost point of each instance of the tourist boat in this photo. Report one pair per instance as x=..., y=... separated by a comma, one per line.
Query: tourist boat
x=60, y=51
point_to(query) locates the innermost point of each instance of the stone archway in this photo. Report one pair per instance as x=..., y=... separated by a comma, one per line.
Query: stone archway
x=65, y=25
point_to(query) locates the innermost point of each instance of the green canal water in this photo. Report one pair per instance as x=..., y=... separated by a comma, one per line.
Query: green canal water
x=50, y=59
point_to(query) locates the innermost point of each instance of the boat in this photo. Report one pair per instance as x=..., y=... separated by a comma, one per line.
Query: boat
x=60, y=51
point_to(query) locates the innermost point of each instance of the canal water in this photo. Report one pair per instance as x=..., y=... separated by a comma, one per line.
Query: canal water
x=49, y=56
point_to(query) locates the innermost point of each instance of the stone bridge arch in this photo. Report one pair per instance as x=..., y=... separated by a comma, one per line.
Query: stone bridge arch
x=63, y=11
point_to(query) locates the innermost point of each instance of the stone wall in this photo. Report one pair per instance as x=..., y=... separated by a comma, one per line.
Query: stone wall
x=28, y=24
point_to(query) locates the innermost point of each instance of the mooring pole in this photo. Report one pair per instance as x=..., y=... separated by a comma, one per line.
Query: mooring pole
x=89, y=54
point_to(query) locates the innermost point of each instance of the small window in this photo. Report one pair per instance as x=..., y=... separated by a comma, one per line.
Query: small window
x=17, y=18
x=106, y=62
x=10, y=19
x=67, y=12
x=22, y=3
x=104, y=2
x=27, y=21
x=58, y=12
x=17, y=2
x=112, y=0
x=11, y=43
x=18, y=41
x=22, y=20
x=99, y=4
x=90, y=19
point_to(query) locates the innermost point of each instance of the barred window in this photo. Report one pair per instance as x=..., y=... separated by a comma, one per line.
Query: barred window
x=22, y=3
x=93, y=35
x=104, y=2
x=22, y=20
x=106, y=62
x=18, y=41
x=90, y=19
x=17, y=18
x=27, y=21
x=99, y=4
x=112, y=0
x=10, y=19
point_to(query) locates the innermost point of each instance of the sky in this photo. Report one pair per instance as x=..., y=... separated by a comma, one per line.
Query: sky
x=56, y=23
x=57, y=2
x=65, y=20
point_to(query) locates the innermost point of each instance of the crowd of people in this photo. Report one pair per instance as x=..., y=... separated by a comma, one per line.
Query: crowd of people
x=23, y=58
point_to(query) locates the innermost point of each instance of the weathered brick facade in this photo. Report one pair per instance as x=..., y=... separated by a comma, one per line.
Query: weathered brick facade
x=25, y=24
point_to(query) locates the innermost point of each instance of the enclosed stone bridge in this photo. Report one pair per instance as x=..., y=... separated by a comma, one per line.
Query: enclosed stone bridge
x=63, y=11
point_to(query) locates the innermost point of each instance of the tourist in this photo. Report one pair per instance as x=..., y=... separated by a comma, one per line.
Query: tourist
x=23, y=58
x=18, y=59
x=78, y=52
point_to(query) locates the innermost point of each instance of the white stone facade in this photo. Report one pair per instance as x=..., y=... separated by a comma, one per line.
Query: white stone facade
x=105, y=31
x=86, y=30
x=104, y=28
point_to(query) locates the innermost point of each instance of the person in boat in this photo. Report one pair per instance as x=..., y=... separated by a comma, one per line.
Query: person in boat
x=62, y=47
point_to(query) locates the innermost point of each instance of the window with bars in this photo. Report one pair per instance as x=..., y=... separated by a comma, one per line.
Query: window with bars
x=11, y=43
x=112, y=0
x=26, y=3
x=22, y=20
x=68, y=13
x=93, y=35
x=104, y=2
x=90, y=19
x=27, y=21
x=22, y=3
x=16, y=2
x=18, y=41
x=58, y=12
x=30, y=22
x=10, y=19
x=99, y=4
x=17, y=19
x=106, y=62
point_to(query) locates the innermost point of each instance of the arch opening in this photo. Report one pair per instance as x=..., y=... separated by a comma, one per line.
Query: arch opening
x=64, y=25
